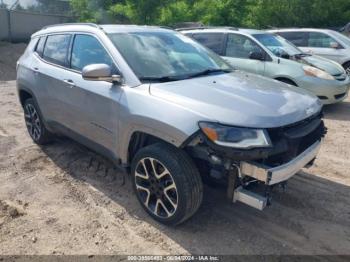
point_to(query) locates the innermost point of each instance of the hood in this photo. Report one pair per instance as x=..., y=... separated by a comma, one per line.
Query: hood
x=324, y=64
x=240, y=99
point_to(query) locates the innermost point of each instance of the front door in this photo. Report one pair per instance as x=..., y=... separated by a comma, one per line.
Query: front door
x=238, y=51
x=95, y=104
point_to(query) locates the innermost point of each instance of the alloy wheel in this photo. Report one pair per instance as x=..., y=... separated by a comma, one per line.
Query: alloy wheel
x=156, y=187
x=348, y=70
x=33, y=122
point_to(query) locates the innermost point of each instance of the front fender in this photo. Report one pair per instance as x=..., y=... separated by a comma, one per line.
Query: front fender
x=142, y=112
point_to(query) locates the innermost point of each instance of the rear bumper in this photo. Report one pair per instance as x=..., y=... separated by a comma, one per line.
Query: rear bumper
x=275, y=175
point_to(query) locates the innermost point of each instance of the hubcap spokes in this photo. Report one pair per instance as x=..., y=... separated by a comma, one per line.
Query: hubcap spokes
x=32, y=121
x=156, y=187
x=348, y=71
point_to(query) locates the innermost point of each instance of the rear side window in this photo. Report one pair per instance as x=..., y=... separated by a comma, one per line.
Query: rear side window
x=56, y=49
x=213, y=41
x=88, y=50
x=40, y=46
x=297, y=38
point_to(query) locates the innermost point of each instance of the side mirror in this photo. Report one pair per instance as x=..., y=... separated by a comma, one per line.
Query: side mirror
x=334, y=45
x=257, y=56
x=285, y=55
x=100, y=72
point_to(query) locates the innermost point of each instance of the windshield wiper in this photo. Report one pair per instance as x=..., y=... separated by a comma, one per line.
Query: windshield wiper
x=177, y=78
x=160, y=78
x=209, y=71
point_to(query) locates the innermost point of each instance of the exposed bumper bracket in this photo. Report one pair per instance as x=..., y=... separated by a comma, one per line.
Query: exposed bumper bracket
x=275, y=175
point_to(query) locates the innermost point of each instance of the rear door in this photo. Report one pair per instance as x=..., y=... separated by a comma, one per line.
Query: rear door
x=50, y=67
x=237, y=53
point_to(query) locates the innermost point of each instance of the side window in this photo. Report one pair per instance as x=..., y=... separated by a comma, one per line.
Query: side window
x=40, y=46
x=240, y=46
x=213, y=41
x=56, y=49
x=88, y=50
x=297, y=38
x=320, y=40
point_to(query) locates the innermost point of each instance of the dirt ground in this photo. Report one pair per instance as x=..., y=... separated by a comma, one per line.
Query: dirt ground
x=65, y=199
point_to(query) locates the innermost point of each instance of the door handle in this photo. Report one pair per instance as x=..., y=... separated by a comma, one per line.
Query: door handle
x=69, y=82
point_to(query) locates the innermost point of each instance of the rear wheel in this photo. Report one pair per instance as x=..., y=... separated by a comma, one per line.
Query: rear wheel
x=34, y=122
x=167, y=183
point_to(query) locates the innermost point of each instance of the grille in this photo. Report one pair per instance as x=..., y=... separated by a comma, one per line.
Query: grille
x=295, y=138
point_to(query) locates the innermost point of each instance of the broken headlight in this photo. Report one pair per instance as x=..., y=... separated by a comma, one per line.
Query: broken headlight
x=237, y=137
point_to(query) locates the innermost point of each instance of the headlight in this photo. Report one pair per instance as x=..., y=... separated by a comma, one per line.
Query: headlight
x=237, y=137
x=315, y=72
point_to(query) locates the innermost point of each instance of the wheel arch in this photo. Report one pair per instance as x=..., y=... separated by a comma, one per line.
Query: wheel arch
x=140, y=139
x=24, y=94
x=346, y=63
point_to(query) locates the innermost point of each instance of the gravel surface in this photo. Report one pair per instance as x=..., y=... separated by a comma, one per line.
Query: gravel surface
x=65, y=199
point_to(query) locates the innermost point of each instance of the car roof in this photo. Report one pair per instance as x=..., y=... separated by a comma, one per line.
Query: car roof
x=222, y=30
x=94, y=28
x=301, y=30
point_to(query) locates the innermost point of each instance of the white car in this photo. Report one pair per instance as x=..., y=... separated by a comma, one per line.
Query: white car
x=323, y=42
x=272, y=56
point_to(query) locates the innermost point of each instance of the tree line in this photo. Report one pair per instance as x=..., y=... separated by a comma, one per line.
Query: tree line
x=239, y=13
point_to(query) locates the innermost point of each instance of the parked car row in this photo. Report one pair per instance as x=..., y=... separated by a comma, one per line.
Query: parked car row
x=173, y=113
x=270, y=55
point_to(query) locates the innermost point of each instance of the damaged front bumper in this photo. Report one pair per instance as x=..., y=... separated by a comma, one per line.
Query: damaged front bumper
x=278, y=174
x=271, y=176
x=251, y=175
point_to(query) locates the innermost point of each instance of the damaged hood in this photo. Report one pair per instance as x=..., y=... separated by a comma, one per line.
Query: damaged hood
x=240, y=99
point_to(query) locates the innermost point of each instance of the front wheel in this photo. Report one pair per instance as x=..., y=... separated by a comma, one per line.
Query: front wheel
x=347, y=68
x=167, y=183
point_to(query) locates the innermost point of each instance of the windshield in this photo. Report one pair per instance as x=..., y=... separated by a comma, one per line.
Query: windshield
x=166, y=55
x=343, y=38
x=277, y=44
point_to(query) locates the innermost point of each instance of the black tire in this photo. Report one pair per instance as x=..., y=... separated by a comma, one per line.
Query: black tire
x=35, y=124
x=183, y=200
x=287, y=81
x=347, y=68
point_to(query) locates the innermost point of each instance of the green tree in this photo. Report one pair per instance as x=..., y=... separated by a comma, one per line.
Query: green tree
x=139, y=11
x=95, y=11
x=298, y=13
x=243, y=13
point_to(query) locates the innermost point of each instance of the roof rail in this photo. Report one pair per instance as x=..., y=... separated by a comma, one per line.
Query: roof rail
x=206, y=27
x=67, y=24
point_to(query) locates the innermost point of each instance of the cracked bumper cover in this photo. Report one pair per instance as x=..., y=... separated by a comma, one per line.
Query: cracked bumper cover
x=275, y=175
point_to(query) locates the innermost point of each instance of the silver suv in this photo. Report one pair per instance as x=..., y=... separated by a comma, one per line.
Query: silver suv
x=169, y=111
